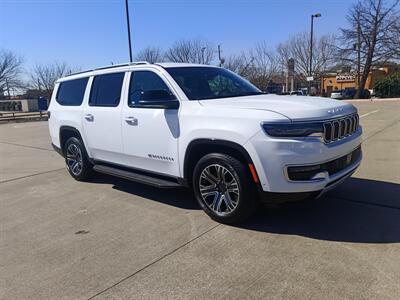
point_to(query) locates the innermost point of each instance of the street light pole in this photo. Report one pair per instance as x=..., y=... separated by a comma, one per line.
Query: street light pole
x=311, y=49
x=129, y=30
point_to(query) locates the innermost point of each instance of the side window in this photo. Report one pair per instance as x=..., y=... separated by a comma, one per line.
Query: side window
x=146, y=86
x=106, y=90
x=71, y=92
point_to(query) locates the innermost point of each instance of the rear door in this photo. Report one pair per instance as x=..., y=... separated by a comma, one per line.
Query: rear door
x=102, y=117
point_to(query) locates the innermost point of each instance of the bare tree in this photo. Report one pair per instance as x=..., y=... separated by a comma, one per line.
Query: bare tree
x=191, y=51
x=257, y=65
x=265, y=65
x=298, y=48
x=44, y=76
x=372, y=37
x=10, y=71
x=150, y=54
x=241, y=64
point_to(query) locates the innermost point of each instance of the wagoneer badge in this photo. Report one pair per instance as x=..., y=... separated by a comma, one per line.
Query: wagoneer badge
x=335, y=111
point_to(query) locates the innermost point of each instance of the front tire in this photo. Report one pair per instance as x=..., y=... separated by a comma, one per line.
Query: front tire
x=222, y=185
x=77, y=160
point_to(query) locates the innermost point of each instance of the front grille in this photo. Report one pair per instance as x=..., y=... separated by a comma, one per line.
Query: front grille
x=340, y=128
x=302, y=173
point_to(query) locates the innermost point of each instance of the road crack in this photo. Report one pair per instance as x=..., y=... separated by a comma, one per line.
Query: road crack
x=153, y=262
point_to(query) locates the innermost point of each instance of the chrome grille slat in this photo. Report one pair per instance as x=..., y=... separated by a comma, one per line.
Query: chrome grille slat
x=351, y=125
x=335, y=125
x=347, y=121
x=340, y=128
x=342, y=131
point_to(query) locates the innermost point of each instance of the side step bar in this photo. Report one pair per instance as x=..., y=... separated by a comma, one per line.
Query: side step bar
x=133, y=176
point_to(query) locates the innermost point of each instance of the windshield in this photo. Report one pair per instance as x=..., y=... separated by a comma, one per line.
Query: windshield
x=200, y=83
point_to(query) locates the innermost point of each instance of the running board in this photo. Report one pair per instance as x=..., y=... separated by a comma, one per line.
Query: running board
x=133, y=176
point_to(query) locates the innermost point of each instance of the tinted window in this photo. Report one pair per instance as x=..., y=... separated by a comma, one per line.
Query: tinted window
x=71, y=92
x=147, y=86
x=106, y=90
x=201, y=83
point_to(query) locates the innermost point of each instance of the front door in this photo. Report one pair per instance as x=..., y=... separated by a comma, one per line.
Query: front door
x=150, y=134
x=102, y=118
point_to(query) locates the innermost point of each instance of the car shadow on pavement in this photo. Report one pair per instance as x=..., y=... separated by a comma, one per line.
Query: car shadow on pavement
x=359, y=211
x=178, y=197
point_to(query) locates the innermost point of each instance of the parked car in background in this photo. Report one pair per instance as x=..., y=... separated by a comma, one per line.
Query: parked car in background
x=344, y=94
x=337, y=94
x=349, y=93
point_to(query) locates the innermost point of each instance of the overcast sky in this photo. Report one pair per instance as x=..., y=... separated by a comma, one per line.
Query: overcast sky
x=90, y=33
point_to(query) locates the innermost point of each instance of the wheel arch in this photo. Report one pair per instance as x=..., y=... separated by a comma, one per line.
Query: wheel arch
x=200, y=147
x=67, y=132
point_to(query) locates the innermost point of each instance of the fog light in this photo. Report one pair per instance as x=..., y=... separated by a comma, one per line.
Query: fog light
x=303, y=172
x=320, y=175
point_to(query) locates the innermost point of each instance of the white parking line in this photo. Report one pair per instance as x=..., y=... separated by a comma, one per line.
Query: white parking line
x=370, y=113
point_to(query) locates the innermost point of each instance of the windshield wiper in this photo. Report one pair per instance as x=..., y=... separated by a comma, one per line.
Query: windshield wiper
x=230, y=96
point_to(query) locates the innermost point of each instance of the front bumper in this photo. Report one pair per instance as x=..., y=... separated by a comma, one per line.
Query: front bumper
x=273, y=156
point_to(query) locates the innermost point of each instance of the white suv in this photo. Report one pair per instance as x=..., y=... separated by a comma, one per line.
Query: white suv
x=204, y=127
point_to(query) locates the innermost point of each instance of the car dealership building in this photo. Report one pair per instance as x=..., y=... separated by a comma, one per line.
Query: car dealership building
x=345, y=79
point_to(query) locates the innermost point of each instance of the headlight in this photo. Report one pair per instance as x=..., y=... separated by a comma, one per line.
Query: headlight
x=293, y=129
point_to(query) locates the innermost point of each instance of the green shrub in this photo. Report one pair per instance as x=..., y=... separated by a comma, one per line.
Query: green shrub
x=388, y=86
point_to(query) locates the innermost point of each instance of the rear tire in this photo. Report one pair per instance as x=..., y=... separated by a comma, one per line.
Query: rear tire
x=77, y=160
x=223, y=187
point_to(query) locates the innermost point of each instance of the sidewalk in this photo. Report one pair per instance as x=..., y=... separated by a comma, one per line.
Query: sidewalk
x=374, y=100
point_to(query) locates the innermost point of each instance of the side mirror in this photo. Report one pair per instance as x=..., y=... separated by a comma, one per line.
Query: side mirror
x=165, y=104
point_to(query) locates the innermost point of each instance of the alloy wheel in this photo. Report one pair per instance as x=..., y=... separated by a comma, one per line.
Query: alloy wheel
x=219, y=189
x=74, y=159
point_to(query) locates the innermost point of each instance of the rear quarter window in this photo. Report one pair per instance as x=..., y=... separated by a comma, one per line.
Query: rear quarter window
x=71, y=92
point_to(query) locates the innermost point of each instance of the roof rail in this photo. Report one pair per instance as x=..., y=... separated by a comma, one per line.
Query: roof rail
x=112, y=66
x=140, y=62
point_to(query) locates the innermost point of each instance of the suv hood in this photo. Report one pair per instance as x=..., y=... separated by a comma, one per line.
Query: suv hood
x=296, y=108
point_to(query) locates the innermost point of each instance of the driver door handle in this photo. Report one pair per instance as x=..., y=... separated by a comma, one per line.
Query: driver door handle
x=131, y=121
x=89, y=117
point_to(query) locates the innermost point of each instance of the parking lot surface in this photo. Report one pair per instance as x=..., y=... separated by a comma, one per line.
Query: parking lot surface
x=114, y=239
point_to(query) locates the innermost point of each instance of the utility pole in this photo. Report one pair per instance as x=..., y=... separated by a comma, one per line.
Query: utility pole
x=129, y=30
x=311, y=49
x=202, y=54
x=219, y=55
